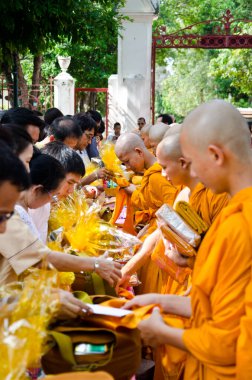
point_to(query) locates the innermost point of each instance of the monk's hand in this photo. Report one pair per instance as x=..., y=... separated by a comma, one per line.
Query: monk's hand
x=69, y=306
x=143, y=300
x=151, y=329
x=130, y=189
x=109, y=270
x=124, y=282
x=174, y=255
x=103, y=173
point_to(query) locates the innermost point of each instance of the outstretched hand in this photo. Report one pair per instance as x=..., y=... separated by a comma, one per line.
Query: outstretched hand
x=151, y=329
x=69, y=306
x=143, y=300
x=109, y=270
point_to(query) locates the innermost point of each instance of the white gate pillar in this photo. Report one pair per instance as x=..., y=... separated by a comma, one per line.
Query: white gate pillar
x=130, y=89
x=64, y=85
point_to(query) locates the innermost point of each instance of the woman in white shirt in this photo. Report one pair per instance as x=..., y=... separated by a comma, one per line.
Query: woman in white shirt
x=47, y=175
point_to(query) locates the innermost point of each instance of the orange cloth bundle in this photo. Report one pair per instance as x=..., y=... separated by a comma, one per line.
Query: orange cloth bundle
x=191, y=217
x=183, y=247
x=171, y=357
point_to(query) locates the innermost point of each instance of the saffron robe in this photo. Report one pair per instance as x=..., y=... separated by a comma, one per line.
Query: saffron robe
x=208, y=205
x=244, y=344
x=221, y=274
x=155, y=190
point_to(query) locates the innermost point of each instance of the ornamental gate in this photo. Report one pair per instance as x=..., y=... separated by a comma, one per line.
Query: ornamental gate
x=226, y=34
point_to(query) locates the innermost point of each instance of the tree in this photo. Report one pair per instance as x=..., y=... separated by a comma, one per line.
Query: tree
x=31, y=30
x=200, y=75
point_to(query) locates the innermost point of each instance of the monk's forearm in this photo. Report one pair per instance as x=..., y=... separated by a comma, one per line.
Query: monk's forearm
x=129, y=189
x=136, y=262
x=139, y=259
x=88, y=179
x=172, y=336
x=69, y=263
x=178, y=305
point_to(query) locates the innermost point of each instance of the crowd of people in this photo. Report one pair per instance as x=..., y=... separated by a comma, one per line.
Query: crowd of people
x=193, y=311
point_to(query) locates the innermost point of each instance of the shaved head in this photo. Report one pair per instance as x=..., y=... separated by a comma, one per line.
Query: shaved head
x=174, y=128
x=216, y=140
x=128, y=142
x=157, y=132
x=217, y=122
x=170, y=157
x=132, y=152
x=170, y=147
x=145, y=130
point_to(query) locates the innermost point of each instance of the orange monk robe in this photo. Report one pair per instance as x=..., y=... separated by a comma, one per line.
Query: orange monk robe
x=221, y=274
x=154, y=191
x=123, y=200
x=244, y=344
x=208, y=206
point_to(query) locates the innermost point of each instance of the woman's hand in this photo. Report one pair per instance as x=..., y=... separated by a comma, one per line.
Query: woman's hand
x=109, y=270
x=69, y=306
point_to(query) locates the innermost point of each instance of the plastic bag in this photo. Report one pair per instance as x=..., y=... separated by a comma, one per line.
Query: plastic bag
x=25, y=312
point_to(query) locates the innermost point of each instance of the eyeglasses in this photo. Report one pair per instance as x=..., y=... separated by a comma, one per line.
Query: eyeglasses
x=141, y=123
x=89, y=136
x=6, y=216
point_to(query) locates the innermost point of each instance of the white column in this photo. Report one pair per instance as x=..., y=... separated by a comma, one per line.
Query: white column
x=64, y=85
x=130, y=89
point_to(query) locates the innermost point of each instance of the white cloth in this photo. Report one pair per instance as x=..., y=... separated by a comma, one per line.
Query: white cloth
x=83, y=154
x=40, y=217
x=27, y=220
x=112, y=138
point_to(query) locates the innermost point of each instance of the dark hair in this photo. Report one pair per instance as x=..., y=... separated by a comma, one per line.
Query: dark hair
x=117, y=124
x=22, y=116
x=95, y=115
x=166, y=118
x=5, y=137
x=69, y=159
x=141, y=118
x=51, y=114
x=85, y=122
x=64, y=127
x=20, y=139
x=101, y=128
x=37, y=113
x=45, y=170
x=12, y=169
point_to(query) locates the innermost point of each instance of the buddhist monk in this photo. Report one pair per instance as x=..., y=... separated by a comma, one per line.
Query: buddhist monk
x=216, y=141
x=156, y=134
x=153, y=192
x=207, y=204
x=154, y=189
x=144, y=133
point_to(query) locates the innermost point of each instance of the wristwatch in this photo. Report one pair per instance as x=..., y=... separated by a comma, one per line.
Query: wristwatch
x=96, y=265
